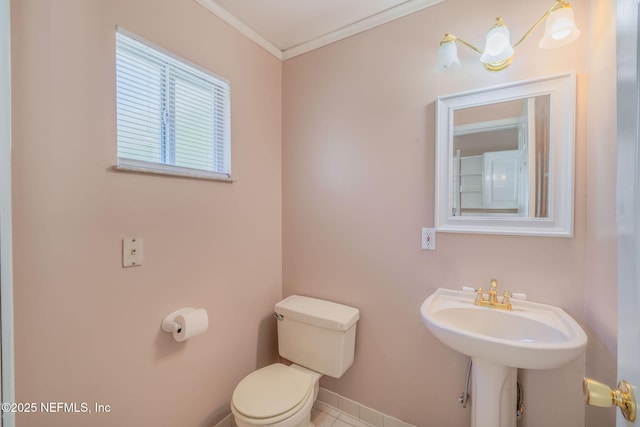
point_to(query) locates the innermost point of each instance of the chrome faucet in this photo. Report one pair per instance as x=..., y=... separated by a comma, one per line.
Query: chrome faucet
x=492, y=300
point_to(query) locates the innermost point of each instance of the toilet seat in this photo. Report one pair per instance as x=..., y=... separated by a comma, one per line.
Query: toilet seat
x=272, y=394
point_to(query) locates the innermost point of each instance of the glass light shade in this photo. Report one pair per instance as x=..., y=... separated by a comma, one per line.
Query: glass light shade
x=560, y=29
x=447, y=57
x=498, y=46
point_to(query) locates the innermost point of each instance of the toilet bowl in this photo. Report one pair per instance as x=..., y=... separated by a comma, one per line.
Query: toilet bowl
x=318, y=336
x=276, y=395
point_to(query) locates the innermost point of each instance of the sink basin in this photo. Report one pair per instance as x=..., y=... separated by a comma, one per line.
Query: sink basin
x=532, y=336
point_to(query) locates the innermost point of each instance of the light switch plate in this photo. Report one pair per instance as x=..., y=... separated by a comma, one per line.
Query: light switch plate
x=132, y=255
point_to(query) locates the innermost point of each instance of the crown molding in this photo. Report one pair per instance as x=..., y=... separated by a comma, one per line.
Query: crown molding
x=243, y=28
x=393, y=13
x=403, y=9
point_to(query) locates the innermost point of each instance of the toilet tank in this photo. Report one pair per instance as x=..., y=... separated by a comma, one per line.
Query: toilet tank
x=317, y=334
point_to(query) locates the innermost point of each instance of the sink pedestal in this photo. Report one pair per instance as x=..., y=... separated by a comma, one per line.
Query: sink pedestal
x=493, y=394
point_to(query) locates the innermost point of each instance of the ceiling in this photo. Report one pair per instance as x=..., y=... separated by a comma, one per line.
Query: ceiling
x=287, y=28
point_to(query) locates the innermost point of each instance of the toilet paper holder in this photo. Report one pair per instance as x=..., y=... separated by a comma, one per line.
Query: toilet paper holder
x=170, y=324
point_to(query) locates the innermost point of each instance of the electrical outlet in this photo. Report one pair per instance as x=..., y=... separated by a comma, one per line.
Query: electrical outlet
x=429, y=239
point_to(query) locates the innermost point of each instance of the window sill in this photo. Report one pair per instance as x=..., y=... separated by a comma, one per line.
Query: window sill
x=168, y=170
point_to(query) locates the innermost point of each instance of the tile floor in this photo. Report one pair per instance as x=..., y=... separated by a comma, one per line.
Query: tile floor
x=323, y=415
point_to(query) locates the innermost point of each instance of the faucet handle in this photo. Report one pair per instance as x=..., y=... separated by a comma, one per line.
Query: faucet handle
x=506, y=300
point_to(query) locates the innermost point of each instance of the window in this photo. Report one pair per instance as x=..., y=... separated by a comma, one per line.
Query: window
x=172, y=116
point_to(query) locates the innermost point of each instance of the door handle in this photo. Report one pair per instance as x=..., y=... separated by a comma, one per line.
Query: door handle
x=599, y=394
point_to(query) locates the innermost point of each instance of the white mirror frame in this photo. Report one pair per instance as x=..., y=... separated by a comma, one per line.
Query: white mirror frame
x=562, y=91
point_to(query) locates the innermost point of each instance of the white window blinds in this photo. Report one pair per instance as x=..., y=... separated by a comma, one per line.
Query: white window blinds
x=172, y=116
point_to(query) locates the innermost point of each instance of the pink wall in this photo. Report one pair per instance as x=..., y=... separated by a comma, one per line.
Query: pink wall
x=87, y=330
x=358, y=184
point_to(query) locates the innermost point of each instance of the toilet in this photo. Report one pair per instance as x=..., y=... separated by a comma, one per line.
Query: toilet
x=318, y=337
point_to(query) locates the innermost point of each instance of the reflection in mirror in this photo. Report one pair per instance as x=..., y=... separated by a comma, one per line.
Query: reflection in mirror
x=501, y=158
x=505, y=158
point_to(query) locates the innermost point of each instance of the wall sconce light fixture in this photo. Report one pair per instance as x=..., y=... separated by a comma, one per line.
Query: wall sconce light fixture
x=498, y=53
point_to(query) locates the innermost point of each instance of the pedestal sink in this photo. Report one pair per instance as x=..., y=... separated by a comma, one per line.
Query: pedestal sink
x=531, y=336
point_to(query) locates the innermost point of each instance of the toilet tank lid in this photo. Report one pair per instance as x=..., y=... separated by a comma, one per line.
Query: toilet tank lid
x=325, y=314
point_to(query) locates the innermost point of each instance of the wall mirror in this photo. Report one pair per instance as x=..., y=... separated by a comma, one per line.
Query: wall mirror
x=505, y=159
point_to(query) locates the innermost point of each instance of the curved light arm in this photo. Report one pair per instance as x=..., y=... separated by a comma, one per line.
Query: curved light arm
x=448, y=37
x=557, y=5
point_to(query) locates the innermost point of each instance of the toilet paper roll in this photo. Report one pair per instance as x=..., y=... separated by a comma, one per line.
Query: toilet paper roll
x=193, y=323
